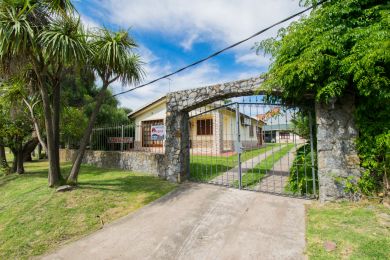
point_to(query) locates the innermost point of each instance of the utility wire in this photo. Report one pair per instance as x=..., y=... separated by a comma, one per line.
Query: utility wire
x=220, y=51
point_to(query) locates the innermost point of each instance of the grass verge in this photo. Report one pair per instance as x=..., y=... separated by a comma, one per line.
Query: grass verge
x=252, y=177
x=35, y=219
x=205, y=168
x=360, y=230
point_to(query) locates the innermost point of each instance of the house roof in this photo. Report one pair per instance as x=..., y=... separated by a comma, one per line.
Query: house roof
x=271, y=113
x=163, y=98
x=245, y=115
x=139, y=110
x=278, y=127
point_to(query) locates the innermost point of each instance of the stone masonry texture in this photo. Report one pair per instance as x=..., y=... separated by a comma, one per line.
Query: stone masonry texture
x=338, y=160
x=142, y=162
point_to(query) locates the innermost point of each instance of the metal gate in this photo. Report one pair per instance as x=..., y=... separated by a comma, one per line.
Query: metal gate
x=250, y=144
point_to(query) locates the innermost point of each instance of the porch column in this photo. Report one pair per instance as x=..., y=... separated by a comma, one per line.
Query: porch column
x=177, y=151
x=336, y=151
x=218, y=132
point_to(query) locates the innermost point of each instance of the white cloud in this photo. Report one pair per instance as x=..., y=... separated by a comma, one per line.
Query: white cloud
x=203, y=75
x=218, y=22
x=88, y=22
x=251, y=59
x=189, y=41
x=223, y=21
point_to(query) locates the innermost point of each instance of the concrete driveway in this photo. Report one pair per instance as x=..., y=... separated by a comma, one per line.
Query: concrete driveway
x=201, y=221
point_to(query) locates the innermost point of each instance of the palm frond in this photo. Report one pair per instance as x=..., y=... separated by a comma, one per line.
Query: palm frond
x=16, y=32
x=114, y=57
x=58, y=6
x=64, y=41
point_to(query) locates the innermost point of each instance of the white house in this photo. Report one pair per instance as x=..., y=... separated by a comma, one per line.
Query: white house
x=212, y=129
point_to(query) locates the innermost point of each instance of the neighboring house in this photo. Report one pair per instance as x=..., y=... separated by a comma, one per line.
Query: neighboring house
x=281, y=133
x=278, y=128
x=210, y=132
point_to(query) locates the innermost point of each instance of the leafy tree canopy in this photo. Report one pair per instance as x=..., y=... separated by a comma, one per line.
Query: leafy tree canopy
x=341, y=48
x=79, y=91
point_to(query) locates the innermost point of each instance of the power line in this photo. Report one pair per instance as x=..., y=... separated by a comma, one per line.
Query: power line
x=220, y=51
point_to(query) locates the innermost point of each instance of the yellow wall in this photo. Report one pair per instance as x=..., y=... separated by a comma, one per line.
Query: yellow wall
x=158, y=112
x=193, y=134
x=230, y=126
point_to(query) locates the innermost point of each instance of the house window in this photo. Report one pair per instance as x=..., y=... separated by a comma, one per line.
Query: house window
x=146, y=128
x=251, y=134
x=284, y=135
x=204, y=127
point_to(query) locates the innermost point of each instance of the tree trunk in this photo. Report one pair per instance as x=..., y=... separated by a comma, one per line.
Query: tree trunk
x=36, y=127
x=56, y=124
x=72, y=179
x=29, y=147
x=54, y=173
x=3, y=158
x=27, y=158
x=14, y=162
x=39, y=151
x=19, y=162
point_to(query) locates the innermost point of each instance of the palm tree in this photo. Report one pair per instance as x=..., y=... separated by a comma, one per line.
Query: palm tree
x=49, y=38
x=113, y=59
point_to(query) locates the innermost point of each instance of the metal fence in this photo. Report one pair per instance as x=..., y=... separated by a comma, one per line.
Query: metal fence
x=113, y=138
x=251, y=144
x=148, y=136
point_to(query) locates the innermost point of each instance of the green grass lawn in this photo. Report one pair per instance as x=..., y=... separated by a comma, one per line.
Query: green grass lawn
x=360, y=230
x=205, y=168
x=254, y=176
x=35, y=219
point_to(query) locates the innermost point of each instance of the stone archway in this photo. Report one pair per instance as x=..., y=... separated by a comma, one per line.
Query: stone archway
x=336, y=133
x=180, y=103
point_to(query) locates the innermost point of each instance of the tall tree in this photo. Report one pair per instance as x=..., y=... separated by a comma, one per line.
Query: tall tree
x=16, y=131
x=79, y=90
x=113, y=59
x=341, y=47
x=49, y=38
x=3, y=158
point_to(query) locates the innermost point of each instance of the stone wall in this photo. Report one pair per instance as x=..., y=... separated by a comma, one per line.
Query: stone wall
x=144, y=162
x=189, y=99
x=179, y=104
x=177, y=146
x=337, y=155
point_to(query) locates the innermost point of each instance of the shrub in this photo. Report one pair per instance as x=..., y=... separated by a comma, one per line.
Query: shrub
x=300, y=180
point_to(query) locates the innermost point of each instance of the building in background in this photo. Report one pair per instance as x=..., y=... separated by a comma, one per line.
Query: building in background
x=278, y=127
x=211, y=130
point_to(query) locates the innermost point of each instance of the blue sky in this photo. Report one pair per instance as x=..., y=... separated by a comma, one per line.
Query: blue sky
x=174, y=33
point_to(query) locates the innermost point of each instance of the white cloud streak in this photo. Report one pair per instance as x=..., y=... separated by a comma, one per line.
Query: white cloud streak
x=218, y=22
x=223, y=21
